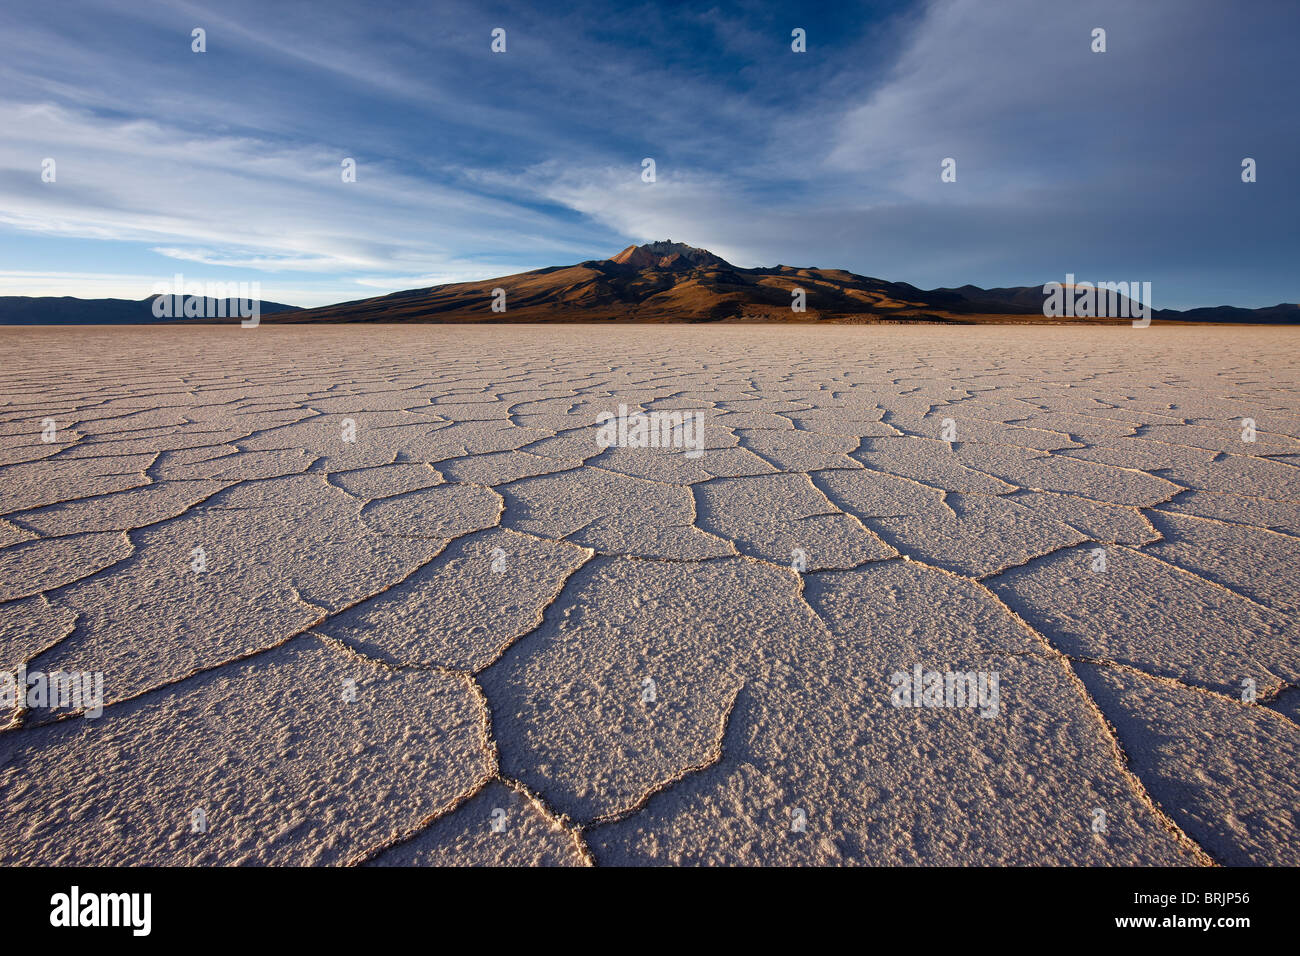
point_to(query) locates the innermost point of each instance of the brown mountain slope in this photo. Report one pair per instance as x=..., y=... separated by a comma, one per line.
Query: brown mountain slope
x=673, y=282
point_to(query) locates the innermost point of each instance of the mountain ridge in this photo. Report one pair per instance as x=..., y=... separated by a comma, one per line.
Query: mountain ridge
x=69, y=310
x=668, y=281
x=662, y=281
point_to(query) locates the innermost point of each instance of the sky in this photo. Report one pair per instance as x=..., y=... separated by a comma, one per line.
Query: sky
x=226, y=165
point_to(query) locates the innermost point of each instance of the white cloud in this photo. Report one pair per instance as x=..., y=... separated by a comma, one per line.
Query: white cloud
x=238, y=202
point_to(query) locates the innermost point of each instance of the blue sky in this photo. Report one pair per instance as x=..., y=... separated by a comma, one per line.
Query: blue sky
x=225, y=166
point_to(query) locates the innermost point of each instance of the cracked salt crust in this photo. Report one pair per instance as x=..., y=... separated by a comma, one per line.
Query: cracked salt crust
x=494, y=589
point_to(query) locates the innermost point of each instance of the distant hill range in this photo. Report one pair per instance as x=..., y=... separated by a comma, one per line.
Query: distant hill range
x=673, y=282
x=66, y=310
x=657, y=282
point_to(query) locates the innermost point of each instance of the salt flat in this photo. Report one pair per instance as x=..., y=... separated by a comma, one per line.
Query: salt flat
x=378, y=595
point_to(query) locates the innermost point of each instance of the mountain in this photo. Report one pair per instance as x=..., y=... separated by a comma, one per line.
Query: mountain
x=672, y=282
x=664, y=282
x=657, y=282
x=66, y=310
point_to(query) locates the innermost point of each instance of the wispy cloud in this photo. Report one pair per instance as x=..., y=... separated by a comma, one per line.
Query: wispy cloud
x=472, y=164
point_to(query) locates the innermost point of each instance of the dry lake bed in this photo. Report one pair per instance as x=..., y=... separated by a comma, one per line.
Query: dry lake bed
x=649, y=595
